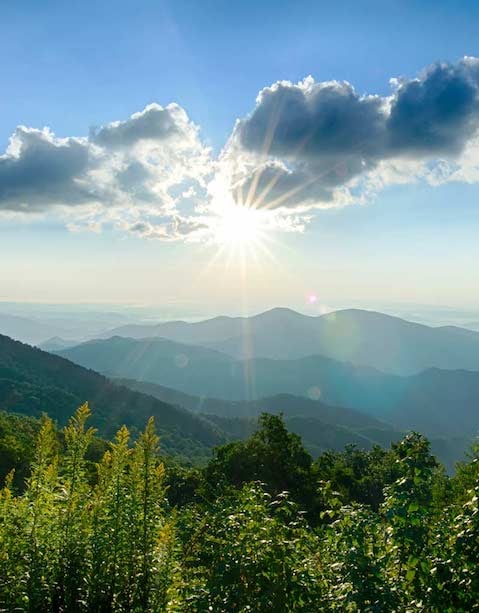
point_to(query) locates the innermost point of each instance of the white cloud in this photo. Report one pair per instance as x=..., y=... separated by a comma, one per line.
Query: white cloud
x=150, y=165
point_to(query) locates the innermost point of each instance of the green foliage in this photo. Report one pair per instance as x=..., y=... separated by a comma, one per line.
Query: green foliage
x=272, y=455
x=354, y=562
x=66, y=545
x=17, y=438
x=260, y=529
x=408, y=510
x=359, y=475
x=252, y=552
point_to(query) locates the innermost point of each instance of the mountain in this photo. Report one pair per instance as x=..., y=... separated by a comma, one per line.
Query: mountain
x=321, y=426
x=284, y=403
x=56, y=343
x=206, y=373
x=33, y=381
x=364, y=338
x=158, y=360
x=435, y=402
x=25, y=329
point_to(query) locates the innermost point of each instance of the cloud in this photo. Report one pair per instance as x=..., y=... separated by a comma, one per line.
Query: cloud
x=148, y=166
x=154, y=123
x=170, y=229
x=325, y=139
x=434, y=114
x=39, y=169
x=313, y=121
x=305, y=146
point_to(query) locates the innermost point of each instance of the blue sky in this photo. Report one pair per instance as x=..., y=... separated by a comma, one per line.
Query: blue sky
x=74, y=66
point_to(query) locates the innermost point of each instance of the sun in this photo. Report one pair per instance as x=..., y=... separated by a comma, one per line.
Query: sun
x=239, y=226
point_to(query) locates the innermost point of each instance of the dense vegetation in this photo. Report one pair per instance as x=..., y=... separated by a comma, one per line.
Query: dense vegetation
x=262, y=528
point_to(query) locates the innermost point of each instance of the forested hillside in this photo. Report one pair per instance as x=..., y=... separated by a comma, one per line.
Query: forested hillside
x=322, y=427
x=33, y=381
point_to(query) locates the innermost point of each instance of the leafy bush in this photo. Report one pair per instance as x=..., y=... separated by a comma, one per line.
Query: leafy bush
x=220, y=540
x=68, y=546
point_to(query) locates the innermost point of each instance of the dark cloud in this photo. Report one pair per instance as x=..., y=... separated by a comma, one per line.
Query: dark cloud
x=322, y=121
x=322, y=135
x=436, y=114
x=43, y=171
x=275, y=186
x=154, y=123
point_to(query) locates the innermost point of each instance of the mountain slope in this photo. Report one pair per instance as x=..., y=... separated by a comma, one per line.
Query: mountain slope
x=284, y=403
x=33, y=381
x=57, y=343
x=363, y=337
x=321, y=426
x=436, y=402
x=211, y=374
x=148, y=359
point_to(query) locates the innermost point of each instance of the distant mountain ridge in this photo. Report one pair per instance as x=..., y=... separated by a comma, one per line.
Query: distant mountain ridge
x=26, y=329
x=365, y=338
x=57, y=343
x=321, y=426
x=284, y=403
x=33, y=381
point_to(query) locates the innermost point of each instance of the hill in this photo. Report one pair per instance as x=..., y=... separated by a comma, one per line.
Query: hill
x=153, y=359
x=320, y=425
x=208, y=373
x=33, y=381
x=284, y=403
x=25, y=329
x=436, y=402
x=56, y=343
x=362, y=337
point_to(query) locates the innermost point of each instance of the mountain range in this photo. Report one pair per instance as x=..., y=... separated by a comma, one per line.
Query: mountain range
x=321, y=426
x=366, y=338
x=33, y=381
x=349, y=376
x=435, y=402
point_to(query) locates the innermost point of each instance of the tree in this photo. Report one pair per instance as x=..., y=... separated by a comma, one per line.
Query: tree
x=272, y=456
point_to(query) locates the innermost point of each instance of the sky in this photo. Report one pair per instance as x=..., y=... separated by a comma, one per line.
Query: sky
x=222, y=157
